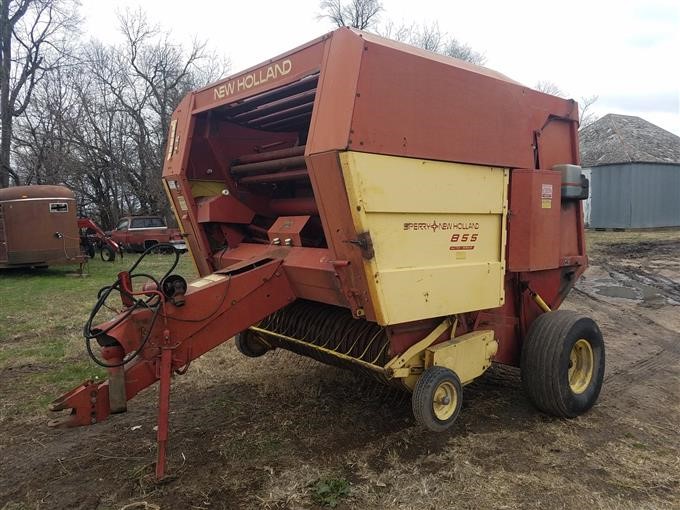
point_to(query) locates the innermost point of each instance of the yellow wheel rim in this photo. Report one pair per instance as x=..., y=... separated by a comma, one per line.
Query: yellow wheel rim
x=580, y=366
x=445, y=401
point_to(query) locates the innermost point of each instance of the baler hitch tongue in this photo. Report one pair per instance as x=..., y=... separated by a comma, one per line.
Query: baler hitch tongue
x=87, y=402
x=139, y=350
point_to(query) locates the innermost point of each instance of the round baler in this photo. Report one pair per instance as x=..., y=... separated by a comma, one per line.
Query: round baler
x=372, y=205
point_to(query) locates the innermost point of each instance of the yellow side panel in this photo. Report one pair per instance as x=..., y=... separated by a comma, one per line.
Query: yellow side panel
x=438, y=231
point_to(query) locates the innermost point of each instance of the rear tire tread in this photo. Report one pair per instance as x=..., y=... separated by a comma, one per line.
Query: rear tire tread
x=542, y=351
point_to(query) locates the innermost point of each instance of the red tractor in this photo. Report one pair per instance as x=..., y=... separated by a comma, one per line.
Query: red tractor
x=93, y=237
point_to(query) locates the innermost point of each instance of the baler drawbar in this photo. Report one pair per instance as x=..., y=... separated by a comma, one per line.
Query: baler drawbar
x=374, y=206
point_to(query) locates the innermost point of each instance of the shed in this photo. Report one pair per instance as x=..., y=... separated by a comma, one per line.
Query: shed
x=634, y=171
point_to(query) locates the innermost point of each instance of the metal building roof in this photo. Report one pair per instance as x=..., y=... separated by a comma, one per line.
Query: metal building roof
x=626, y=139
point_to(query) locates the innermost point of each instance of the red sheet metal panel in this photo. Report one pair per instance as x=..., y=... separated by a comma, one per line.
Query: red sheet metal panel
x=175, y=171
x=331, y=121
x=331, y=196
x=281, y=70
x=534, y=221
x=413, y=104
x=311, y=271
x=288, y=228
x=557, y=144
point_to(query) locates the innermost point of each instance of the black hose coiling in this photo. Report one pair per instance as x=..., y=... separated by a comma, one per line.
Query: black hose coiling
x=104, y=293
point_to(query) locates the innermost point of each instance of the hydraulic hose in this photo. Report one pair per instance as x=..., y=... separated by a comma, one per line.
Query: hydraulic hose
x=104, y=293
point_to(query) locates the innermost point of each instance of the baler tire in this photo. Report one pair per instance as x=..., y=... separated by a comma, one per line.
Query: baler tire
x=249, y=346
x=555, y=340
x=107, y=254
x=436, y=379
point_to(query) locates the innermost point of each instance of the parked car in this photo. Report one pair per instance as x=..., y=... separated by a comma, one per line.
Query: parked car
x=138, y=233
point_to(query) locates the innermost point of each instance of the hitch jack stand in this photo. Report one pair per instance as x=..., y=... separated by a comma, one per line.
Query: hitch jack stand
x=163, y=406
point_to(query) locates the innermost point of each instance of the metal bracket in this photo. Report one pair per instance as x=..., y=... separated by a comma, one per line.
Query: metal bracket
x=364, y=242
x=396, y=364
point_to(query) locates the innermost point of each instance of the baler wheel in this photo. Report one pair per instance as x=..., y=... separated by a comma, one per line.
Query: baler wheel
x=562, y=364
x=437, y=398
x=248, y=345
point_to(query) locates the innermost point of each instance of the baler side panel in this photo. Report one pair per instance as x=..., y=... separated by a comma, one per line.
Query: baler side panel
x=437, y=231
x=458, y=116
x=556, y=143
x=334, y=207
x=534, y=225
x=334, y=105
x=572, y=240
x=177, y=151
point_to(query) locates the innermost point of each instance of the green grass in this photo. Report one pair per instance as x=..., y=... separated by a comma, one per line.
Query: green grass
x=596, y=239
x=329, y=491
x=42, y=312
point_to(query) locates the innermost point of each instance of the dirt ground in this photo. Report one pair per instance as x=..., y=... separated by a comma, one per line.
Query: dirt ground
x=285, y=432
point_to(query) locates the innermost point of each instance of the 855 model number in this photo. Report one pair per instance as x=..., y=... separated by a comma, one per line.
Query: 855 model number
x=460, y=239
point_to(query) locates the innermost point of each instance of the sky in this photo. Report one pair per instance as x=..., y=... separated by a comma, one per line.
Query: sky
x=627, y=52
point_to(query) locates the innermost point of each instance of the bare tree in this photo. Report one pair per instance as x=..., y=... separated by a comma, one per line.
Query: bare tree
x=159, y=72
x=31, y=36
x=364, y=15
x=163, y=67
x=586, y=114
x=98, y=124
x=460, y=50
x=430, y=37
x=549, y=87
x=361, y=14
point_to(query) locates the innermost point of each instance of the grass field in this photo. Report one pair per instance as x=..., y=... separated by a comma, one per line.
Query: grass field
x=43, y=312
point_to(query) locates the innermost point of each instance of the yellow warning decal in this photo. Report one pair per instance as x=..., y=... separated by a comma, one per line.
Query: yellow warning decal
x=182, y=203
x=546, y=196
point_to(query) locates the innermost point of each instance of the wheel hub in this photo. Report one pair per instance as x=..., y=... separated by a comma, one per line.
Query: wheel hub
x=580, y=366
x=445, y=401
